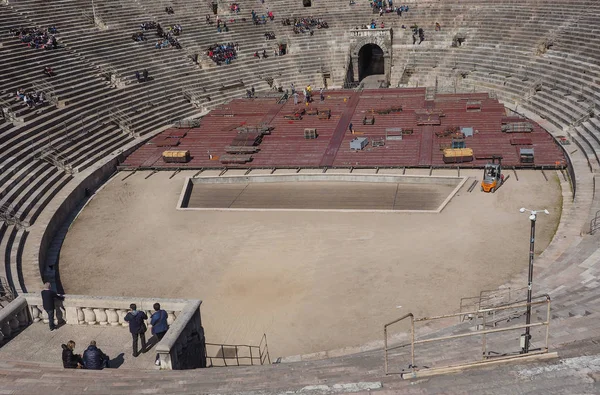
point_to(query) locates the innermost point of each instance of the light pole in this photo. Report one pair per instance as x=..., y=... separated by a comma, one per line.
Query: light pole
x=532, y=218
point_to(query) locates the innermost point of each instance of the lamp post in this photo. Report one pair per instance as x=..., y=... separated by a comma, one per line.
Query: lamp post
x=532, y=218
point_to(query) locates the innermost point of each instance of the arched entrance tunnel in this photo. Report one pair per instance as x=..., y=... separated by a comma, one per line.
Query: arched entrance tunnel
x=370, y=61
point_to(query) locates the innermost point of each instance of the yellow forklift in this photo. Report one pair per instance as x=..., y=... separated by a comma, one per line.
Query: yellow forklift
x=492, y=175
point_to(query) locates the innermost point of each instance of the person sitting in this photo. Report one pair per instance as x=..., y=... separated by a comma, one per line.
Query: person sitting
x=264, y=53
x=256, y=55
x=48, y=71
x=71, y=360
x=94, y=358
x=27, y=100
x=145, y=74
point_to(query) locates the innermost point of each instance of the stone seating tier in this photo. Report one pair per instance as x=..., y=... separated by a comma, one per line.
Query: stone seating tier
x=506, y=64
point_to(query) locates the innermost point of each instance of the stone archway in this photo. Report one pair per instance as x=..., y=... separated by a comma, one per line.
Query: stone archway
x=370, y=61
x=371, y=38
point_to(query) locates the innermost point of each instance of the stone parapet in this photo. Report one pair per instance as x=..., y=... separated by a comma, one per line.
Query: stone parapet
x=13, y=319
x=181, y=348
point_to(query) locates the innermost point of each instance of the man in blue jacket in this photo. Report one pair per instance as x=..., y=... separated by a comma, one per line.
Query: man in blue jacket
x=94, y=358
x=48, y=298
x=137, y=327
x=158, y=320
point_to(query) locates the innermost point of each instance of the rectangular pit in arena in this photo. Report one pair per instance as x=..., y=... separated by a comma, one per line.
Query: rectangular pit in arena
x=320, y=192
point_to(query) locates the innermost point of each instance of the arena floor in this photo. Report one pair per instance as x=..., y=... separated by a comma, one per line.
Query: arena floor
x=312, y=281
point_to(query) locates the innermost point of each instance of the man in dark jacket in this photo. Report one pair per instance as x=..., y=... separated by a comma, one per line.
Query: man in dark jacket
x=70, y=360
x=94, y=358
x=137, y=327
x=48, y=298
x=159, y=323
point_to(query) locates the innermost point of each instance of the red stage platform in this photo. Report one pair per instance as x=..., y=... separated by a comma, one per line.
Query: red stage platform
x=408, y=131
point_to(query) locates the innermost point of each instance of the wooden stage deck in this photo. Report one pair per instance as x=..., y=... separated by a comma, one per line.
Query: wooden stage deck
x=286, y=146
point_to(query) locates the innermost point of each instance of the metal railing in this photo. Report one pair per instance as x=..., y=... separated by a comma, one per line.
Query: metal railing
x=237, y=354
x=49, y=91
x=122, y=120
x=595, y=223
x=478, y=330
x=487, y=299
x=6, y=111
x=51, y=155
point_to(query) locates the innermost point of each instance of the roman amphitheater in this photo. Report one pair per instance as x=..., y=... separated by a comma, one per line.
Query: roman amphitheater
x=300, y=186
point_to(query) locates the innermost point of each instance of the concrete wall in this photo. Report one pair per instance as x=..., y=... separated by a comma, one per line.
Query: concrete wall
x=403, y=179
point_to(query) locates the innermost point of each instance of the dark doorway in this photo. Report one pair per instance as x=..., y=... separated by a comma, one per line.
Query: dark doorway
x=370, y=61
x=306, y=3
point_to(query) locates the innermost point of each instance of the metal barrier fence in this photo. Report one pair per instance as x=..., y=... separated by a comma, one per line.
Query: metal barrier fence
x=490, y=298
x=237, y=354
x=478, y=330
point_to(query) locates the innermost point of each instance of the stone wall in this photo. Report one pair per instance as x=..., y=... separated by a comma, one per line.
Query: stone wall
x=181, y=348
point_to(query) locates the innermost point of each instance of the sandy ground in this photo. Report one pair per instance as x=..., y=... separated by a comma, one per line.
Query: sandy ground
x=311, y=281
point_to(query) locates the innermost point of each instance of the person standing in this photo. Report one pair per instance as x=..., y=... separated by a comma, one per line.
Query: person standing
x=48, y=298
x=160, y=326
x=137, y=327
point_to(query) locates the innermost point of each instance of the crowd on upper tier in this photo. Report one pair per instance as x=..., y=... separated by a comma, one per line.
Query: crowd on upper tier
x=37, y=37
x=303, y=25
x=222, y=53
x=385, y=7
